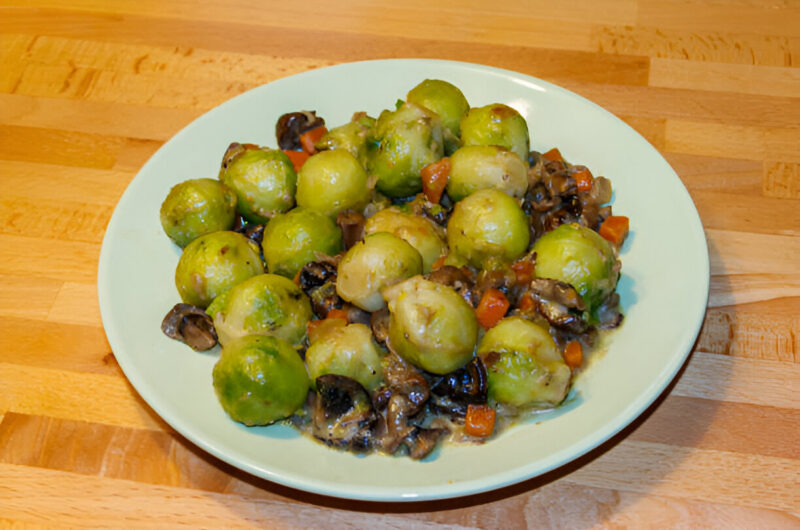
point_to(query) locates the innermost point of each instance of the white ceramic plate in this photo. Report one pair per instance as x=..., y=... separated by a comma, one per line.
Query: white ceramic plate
x=664, y=286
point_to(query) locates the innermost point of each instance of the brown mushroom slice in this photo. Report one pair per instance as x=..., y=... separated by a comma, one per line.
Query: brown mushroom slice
x=395, y=422
x=421, y=441
x=190, y=324
x=459, y=278
x=559, y=303
x=452, y=393
x=352, y=226
x=292, y=125
x=405, y=393
x=379, y=322
x=316, y=273
x=608, y=313
x=343, y=415
x=405, y=380
x=318, y=280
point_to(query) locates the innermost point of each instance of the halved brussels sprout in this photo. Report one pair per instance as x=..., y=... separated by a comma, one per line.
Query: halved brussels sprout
x=446, y=100
x=408, y=139
x=477, y=167
x=496, y=124
x=346, y=350
x=379, y=260
x=294, y=238
x=420, y=232
x=266, y=304
x=352, y=137
x=332, y=182
x=260, y=380
x=263, y=179
x=488, y=224
x=213, y=263
x=197, y=207
x=524, y=365
x=431, y=325
x=580, y=257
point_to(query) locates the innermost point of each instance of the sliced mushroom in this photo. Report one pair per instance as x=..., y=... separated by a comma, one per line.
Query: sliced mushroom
x=356, y=315
x=318, y=280
x=352, y=226
x=421, y=441
x=379, y=322
x=559, y=303
x=502, y=278
x=254, y=233
x=315, y=274
x=453, y=392
x=438, y=213
x=459, y=278
x=235, y=149
x=608, y=313
x=190, y=324
x=404, y=395
x=405, y=380
x=539, y=199
x=343, y=415
x=396, y=426
x=324, y=298
x=293, y=124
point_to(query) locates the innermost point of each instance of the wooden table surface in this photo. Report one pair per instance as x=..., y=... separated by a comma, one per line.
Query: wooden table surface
x=89, y=89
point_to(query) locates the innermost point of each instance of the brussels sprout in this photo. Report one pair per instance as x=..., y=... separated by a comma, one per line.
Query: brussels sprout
x=371, y=265
x=420, y=232
x=266, y=304
x=197, y=207
x=260, y=380
x=351, y=137
x=489, y=224
x=581, y=257
x=477, y=167
x=294, y=238
x=346, y=350
x=408, y=139
x=496, y=124
x=213, y=263
x=264, y=181
x=431, y=325
x=524, y=365
x=332, y=182
x=446, y=100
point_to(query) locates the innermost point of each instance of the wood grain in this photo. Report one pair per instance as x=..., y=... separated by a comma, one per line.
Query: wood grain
x=89, y=90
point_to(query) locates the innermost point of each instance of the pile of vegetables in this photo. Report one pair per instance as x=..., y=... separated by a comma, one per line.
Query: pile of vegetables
x=395, y=281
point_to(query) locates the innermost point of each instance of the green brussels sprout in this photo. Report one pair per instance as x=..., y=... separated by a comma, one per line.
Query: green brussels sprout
x=293, y=239
x=488, y=224
x=346, y=350
x=213, y=263
x=332, y=182
x=580, y=257
x=197, y=207
x=446, y=100
x=260, y=379
x=496, y=124
x=263, y=179
x=267, y=304
x=419, y=232
x=477, y=167
x=379, y=260
x=431, y=325
x=408, y=139
x=351, y=137
x=523, y=364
